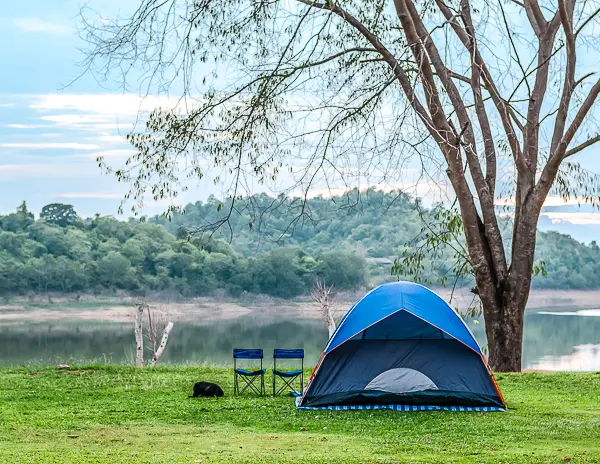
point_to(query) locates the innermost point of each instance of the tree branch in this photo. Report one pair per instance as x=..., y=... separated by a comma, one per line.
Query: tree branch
x=405, y=82
x=312, y=64
x=163, y=344
x=484, y=123
x=501, y=105
x=531, y=133
x=586, y=22
x=551, y=169
x=535, y=16
x=582, y=146
x=585, y=108
x=566, y=17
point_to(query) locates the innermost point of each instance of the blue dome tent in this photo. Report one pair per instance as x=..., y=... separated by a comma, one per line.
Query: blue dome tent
x=402, y=347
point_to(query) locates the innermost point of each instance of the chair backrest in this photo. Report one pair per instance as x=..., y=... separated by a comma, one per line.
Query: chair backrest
x=247, y=354
x=288, y=354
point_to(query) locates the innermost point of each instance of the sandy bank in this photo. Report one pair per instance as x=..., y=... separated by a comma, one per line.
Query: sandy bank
x=213, y=309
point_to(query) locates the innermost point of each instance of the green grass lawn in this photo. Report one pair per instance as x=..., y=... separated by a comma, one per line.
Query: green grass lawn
x=126, y=415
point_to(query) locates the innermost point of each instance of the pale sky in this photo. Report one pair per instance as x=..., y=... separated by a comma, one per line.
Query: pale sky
x=51, y=132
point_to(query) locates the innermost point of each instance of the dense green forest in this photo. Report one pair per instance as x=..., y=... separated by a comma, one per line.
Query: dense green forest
x=371, y=224
x=62, y=253
x=271, y=246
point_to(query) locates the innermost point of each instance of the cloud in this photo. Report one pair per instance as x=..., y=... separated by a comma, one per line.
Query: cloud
x=91, y=195
x=25, y=126
x=551, y=200
x=112, y=104
x=108, y=117
x=98, y=113
x=116, y=153
x=14, y=172
x=573, y=218
x=429, y=192
x=122, y=153
x=111, y=138
x=89, y=122
x=71, y=119
x=6, y=105
x=40, y=25
x=127, y=127
x=51, y=145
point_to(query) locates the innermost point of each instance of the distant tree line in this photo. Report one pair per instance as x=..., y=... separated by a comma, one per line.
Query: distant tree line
x=350, y=243
x=61, y=252
x=377, y=225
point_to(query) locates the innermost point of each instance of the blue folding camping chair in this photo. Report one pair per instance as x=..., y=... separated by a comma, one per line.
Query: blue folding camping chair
x=288, y=376
x=248, y=376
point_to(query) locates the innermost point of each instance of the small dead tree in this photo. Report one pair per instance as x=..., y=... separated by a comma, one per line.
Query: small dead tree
x=157, y=324
x=321, y=294
x=139, y=339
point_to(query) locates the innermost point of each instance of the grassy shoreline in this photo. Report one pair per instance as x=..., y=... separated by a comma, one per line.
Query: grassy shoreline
x=114, y=414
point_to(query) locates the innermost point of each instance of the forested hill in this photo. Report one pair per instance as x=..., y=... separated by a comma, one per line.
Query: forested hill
x=277, y=248
x=373, y=224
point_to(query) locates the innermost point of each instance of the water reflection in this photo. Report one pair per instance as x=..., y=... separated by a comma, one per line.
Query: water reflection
x=579, y=312
x=550, y=342
x=189, y=343
x=585, y=358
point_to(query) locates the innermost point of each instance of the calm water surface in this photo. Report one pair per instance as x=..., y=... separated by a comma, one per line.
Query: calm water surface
x=554, y=340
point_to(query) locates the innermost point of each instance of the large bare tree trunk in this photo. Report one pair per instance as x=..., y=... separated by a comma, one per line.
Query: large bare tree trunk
x=504, y=303
x=139, y=339
x=504, y=331
x=505, y=337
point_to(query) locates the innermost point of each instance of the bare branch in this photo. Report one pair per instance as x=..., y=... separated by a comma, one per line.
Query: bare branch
x=531, y=133
x=535, y=16
x=582, y=146
x=587, y=21
x=585, y=108
x=163, y=344
x=551, y=169
x=321, y=294
x=566, y=17
x=501, y=105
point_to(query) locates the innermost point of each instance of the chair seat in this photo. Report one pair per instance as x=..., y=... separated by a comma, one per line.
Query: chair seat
x=287, y=373
x=250, y=373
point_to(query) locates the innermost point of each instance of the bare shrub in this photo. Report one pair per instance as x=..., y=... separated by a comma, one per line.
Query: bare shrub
x=158, y=329
x=322, y=295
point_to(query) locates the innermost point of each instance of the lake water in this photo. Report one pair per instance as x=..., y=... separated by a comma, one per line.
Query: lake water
x=554, y=340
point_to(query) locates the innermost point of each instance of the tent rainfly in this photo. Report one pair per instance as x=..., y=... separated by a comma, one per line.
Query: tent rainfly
x=402, y=347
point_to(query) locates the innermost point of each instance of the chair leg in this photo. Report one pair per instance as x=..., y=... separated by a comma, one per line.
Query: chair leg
x=288, y=383
x=249, y=385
